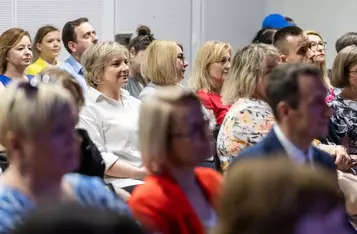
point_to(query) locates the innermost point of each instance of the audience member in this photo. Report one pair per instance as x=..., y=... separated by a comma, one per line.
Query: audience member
x=344, y=119
x=163, y=64
x=110, y=114
x=345, y=40
x=177, y=193
x=209, y=72
x=301, y=115
x=294, y=45
x=46, y=49
x=281, y=197
x=91, y=161
x=77, y=36
x=265, y=36
x=250, y=118
x=15, y=55
x=37, y=128
x=137, y=47
x=73, y=218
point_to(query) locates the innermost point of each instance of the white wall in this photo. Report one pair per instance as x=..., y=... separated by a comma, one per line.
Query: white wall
x=190, y=22
x=330, y=18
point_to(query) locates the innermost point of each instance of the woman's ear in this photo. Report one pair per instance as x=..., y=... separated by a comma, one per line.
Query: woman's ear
x=283, y=58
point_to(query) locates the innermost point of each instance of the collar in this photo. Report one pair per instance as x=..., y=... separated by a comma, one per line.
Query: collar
x=294, y=152
x=41, y=62
x=73, y=62
x=97, y=96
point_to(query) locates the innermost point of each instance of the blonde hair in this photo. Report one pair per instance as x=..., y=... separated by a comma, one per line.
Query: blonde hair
x=210, y=52
x=323, y=66
x=159, y=63
x=8, y=40
x=154, y=134
x=66, y=80
x=249, y=202
x=340, y=72
x=247, y=67
x=27, y=109
x=96, y=57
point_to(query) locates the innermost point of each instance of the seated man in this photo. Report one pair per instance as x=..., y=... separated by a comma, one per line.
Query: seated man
x=301, y=116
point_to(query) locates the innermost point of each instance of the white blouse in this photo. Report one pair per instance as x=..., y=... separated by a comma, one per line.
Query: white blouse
x=113, y=126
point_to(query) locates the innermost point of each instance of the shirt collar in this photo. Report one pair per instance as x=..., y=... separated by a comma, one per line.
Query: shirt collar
x=76, y=65
x=96, y=96
x=294, y=152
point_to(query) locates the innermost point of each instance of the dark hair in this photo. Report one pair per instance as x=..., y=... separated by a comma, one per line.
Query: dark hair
x=68, y=31
x=142, y=40
x=280, y=36
x=75, y=218
x=283, y=84
x=41, y=33
x=290, y=20
x=345, y=40
x=265, y=36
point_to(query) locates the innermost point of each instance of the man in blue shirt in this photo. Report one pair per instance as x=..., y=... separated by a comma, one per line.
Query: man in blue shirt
x=77, y=36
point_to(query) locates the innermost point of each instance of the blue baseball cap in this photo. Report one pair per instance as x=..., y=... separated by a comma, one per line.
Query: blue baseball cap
x=275, y=21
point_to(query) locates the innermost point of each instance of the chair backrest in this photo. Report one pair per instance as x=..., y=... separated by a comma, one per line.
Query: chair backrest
x=216, y=160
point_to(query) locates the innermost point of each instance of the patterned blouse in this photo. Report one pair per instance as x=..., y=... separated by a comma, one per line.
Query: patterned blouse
x=14, y=205
x=246, y=123
x=344, y=121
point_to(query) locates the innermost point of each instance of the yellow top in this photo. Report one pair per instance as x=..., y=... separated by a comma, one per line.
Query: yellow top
x=37, y=67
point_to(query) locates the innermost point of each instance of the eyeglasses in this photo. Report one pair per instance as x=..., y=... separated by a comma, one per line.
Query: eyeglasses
x=197, y=131
x=315, y=46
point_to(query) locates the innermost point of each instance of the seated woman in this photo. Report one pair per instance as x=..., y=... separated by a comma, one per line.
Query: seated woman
x=250, y=118
x=163, y=64
x=47, y=48
x=110, y=115
x=318, y=46
x=137, y=47
x=178, y=196
x=91, y=161
x=37, y=128
x=209, y=72
x=15, y=55
x=344, y=119
x=308, y=201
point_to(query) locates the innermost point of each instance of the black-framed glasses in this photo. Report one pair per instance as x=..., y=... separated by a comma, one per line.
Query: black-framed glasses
x=315, y=46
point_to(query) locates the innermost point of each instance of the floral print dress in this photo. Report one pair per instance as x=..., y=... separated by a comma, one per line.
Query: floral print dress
x=245, y=124
x=344, y=121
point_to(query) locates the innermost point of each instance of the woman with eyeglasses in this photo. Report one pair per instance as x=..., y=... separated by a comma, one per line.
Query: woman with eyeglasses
x=318, y=46
x=37, y=127
x=209, y=72
x=15, y=55
x=178, y=196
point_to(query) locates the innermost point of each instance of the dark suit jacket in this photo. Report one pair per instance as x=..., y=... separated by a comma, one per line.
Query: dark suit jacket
x=271, y=146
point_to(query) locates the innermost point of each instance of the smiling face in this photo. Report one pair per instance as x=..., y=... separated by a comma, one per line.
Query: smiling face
x=116, y=71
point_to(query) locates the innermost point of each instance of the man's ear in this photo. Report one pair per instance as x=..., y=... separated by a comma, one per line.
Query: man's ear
x=282, y=109
x=72, y=46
